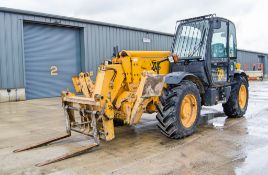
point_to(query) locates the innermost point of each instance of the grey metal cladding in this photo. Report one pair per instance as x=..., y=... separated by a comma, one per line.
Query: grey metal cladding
x=97, y=42
x=10, y=51
x=100, y=41
x=249, y=58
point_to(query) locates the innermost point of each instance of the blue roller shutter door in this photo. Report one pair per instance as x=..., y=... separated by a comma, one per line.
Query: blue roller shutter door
x=52, y=57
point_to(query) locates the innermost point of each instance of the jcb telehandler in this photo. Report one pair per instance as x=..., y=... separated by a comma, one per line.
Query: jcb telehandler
x=199, y=70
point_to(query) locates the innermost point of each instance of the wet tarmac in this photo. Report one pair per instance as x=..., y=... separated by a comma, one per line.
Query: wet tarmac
x=220, y=146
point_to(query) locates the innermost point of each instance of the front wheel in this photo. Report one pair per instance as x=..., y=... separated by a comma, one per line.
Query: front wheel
x=179, y=110
x=237, y=104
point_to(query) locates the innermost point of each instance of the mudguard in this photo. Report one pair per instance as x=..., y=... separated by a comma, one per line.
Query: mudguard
x=176, y=77
x=242, y=73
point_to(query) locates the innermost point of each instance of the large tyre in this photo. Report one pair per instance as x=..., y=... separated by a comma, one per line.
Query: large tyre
x=179, y=110
x=237, y=104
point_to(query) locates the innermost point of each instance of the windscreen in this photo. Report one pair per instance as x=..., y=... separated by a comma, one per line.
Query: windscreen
x=191, y=39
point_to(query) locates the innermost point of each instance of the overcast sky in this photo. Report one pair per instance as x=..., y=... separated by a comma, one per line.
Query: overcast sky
x=250, y=16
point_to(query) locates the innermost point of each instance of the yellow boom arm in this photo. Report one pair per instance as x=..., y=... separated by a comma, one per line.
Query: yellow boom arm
x=125, y=88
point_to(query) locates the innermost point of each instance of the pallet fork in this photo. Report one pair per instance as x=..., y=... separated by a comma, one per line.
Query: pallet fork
x=87, y=126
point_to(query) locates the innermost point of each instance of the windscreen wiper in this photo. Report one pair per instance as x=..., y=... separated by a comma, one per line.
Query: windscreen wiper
x=197, y=47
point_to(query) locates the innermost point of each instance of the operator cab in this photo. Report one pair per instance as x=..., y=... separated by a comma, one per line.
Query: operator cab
x=202, y=73
x=206, y=47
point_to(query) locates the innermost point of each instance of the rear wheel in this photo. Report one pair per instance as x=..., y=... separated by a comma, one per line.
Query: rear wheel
x=237, y=104
x=179, y=110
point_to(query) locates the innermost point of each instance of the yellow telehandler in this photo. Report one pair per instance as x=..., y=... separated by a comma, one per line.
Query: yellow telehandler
x=199, y=70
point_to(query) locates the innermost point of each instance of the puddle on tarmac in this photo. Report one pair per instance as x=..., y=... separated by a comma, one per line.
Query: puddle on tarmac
x=255, y=162
x=211, y=118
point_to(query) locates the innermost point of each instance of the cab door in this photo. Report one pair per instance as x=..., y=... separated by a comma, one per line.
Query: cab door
x=219, y=53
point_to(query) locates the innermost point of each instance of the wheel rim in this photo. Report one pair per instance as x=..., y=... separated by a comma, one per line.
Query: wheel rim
x=242, y=97
x=188, y=110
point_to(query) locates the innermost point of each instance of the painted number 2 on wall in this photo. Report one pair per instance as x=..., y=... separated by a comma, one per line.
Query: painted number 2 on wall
x=53, y=70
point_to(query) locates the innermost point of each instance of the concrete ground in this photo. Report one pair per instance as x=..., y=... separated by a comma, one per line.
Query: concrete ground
x=220, y=146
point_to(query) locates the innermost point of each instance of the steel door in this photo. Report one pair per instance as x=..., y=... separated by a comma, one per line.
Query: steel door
x=52, y=57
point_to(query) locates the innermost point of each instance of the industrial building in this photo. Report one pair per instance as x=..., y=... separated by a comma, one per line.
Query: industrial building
x=248, y=59
x=40, y=52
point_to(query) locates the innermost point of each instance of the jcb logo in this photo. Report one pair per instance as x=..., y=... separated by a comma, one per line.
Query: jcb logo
x=220, y=74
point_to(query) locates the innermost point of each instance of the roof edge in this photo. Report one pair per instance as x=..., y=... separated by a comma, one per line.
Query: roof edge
x=26, y=12
x=250, y=51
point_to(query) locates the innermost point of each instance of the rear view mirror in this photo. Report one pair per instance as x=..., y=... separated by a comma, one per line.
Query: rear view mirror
x=223, y=34
x=216, y=24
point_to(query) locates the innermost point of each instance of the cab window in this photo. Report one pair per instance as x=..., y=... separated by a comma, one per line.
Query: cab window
x=219, y=42
x=232, y=40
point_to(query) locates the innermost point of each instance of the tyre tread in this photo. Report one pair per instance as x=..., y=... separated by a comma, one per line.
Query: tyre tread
x=166, y=116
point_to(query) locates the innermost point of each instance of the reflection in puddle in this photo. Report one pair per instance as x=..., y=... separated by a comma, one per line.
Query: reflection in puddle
x=216, y=120
x=256, y=162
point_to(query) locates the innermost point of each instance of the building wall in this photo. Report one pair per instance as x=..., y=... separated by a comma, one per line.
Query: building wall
x=266, y=66
x=98, y=40
x=250, y=57
x=11, y=51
